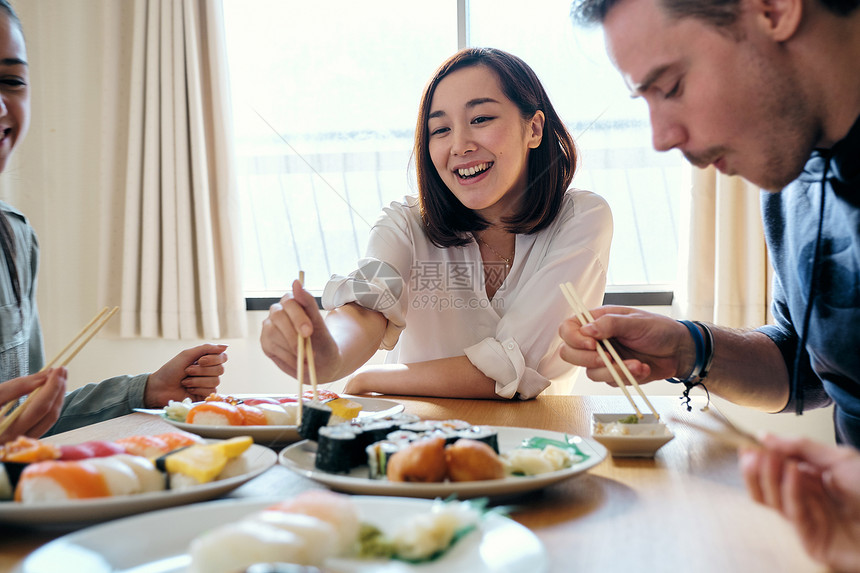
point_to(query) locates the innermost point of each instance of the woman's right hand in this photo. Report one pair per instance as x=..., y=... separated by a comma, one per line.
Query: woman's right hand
x=297, y=313
x=43, y=410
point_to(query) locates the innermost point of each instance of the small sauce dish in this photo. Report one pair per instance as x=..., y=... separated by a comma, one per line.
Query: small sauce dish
x=625, y=436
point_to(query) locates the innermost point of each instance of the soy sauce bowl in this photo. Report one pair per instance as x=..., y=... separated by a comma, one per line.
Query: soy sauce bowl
x=640, y=439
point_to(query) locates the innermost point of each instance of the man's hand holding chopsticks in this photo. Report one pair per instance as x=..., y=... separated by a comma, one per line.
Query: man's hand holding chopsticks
x=653, y=346
x=193, y=373
x=43, y=410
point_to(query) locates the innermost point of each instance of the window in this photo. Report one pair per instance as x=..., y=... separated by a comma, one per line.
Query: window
x=325, y=97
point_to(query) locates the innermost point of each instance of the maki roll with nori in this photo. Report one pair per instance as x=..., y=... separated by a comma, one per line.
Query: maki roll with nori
x=335, y=449
x=377, y=457
x=315, y=415
x=484, y=434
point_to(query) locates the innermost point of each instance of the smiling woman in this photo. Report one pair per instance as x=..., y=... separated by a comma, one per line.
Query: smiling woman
x=461, y=282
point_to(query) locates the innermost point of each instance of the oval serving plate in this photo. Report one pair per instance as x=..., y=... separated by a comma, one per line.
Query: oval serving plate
x=300, y=458
x=258, y=459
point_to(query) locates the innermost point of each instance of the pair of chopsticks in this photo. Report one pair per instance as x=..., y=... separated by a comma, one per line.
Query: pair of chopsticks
x=86, y=333
x=729, y=433
x=305, y=349
x=585, y=316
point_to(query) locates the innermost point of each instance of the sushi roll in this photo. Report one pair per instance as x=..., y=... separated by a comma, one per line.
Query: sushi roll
x=484, y=434
x=378, y=455
x=314, y=416
x=335, y=449
x=375, y=431
x=402, y=437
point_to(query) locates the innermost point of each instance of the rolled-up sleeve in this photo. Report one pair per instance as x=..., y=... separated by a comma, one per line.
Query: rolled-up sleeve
x=504, y=363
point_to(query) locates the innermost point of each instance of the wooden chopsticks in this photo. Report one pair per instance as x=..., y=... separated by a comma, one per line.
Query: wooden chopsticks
x=729, y=433
x=305, y=350
x=585, y=316
x=87, y=333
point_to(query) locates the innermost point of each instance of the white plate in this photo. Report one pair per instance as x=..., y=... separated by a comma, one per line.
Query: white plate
x=500, y=546
x=276, y=435
x=258, y=458
x=299, y=457
x=645, y=437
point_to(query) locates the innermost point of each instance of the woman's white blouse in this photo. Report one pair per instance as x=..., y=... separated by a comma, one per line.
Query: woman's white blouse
x=437, y=307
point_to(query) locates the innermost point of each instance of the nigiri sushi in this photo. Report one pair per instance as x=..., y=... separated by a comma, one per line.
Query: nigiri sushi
x=158, y=445
x=81, y=479
x=58, y=481
x=94, y=449
x=235, y=546
x=26, y=450
x=334, y=508
x=215, y=414
x=305, y=530
x=252, y=415
x=279, y=415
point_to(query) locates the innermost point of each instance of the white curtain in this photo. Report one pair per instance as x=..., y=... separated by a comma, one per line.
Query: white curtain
x=725, y=273
x=176, y=269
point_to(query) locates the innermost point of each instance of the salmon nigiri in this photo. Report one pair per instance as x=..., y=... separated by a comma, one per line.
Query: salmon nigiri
x=58, y=481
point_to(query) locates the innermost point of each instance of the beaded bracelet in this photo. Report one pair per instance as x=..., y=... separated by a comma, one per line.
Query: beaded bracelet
x=702, y=364
x=699, y=363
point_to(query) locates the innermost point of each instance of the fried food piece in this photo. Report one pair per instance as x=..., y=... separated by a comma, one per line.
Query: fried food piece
x=471, y=460
x=422, y=461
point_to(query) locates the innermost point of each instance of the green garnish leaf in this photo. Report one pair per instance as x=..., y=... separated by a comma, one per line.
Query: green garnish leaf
x=540, y=443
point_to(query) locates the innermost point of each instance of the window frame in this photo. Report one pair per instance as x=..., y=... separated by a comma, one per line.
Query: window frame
x=650, y=295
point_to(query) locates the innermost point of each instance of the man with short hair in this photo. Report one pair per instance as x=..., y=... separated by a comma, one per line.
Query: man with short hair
x=768, y=90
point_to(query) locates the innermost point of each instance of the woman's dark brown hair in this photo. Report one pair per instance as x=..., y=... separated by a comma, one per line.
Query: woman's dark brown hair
x=550, y=166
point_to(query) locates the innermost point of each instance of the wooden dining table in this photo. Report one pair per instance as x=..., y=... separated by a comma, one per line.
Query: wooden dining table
x=685, y=509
